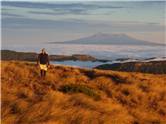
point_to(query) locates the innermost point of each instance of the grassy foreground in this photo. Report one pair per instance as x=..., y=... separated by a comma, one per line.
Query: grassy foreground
x=80, y=96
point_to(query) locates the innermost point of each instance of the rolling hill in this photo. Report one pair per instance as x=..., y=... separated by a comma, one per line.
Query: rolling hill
x=154, y=67
x=80, y=96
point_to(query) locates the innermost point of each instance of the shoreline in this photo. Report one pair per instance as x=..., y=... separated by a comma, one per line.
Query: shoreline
x=150, y=65
x=31, y=56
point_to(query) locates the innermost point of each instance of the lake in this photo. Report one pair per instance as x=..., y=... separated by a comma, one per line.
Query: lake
x=82, y=64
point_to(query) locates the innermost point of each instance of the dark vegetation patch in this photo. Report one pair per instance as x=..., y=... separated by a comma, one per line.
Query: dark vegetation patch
x=116, y=78
x=144, y=87
x=126, y=92
x=75, y=88
x=89, y=73
x=15, y=109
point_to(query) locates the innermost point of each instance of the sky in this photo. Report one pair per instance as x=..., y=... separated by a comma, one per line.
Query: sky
x=38, y=21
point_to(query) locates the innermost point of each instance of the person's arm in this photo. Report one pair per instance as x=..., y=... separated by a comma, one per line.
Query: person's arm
x=48, y=60
x=38, y=59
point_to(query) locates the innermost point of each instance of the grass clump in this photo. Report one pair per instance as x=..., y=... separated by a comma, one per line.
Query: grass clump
x=76, y=88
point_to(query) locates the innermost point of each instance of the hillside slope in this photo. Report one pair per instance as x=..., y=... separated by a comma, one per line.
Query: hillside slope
x=80, y=96
x=154, y=67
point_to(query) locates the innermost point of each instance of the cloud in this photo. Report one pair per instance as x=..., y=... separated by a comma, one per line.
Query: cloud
x=61, y=12
x=29, y=23
x=53, y=5
x=6, y=9
x=7, y=14
x=61, y=18
x=63, y=7
x=78, y=25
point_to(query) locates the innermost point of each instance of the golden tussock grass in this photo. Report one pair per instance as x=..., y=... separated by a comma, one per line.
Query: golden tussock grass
x=80, y=96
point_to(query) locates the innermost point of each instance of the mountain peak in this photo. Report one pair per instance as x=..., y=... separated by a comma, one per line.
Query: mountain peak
x=100, y=34
x=110, y=39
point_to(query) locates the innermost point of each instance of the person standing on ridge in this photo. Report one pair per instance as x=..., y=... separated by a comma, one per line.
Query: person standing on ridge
x=43, y=62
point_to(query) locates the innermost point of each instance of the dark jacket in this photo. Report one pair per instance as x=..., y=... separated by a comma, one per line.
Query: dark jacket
x=43, y=58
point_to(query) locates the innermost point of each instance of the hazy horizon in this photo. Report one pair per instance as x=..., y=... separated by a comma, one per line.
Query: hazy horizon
x=54, y=21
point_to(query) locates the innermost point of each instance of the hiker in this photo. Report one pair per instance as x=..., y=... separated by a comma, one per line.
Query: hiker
x=43, y=62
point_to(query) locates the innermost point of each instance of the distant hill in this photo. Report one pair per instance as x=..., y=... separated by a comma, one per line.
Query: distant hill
x=31, y=56
x=13, y=55
x=155, y=67
x=80, y=96
x=111, y=39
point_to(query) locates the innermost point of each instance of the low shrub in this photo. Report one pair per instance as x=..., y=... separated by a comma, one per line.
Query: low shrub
x=76, y=88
